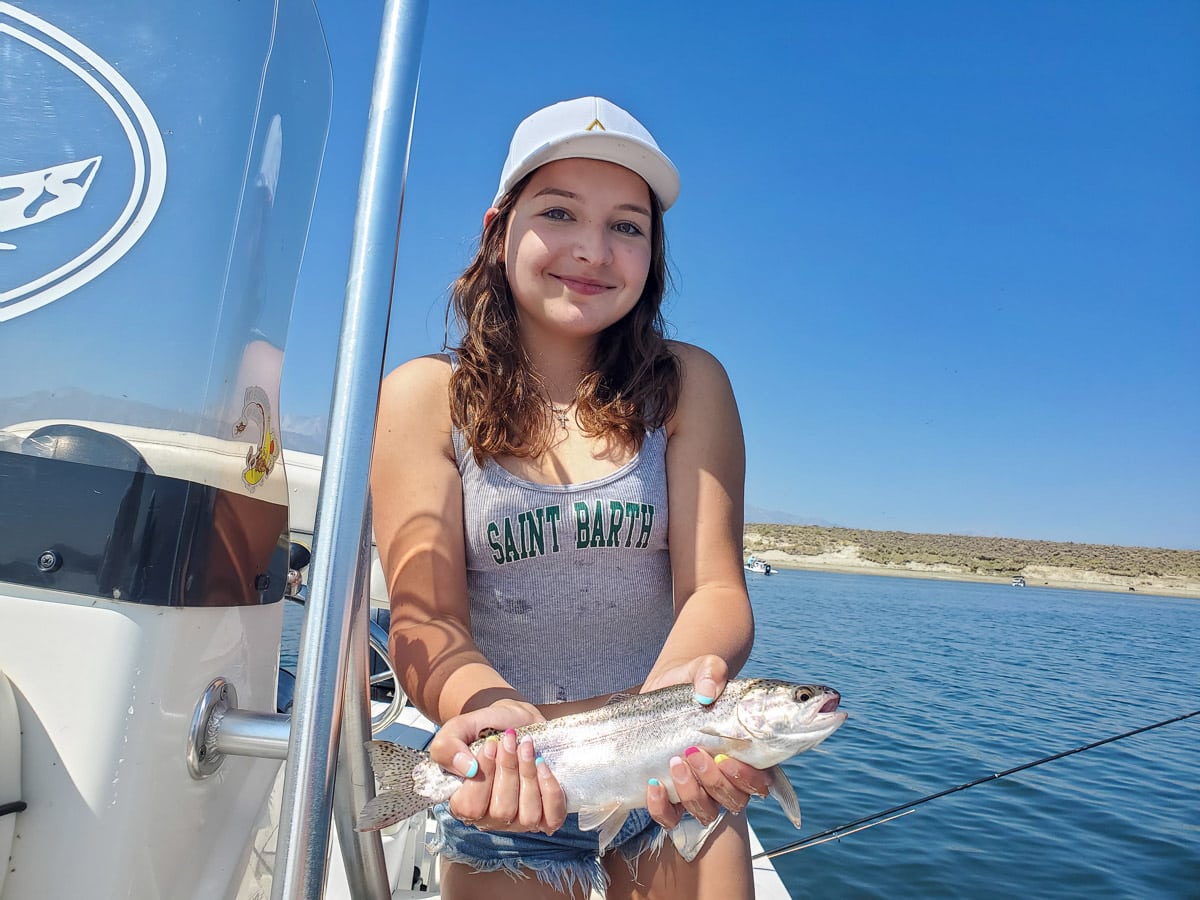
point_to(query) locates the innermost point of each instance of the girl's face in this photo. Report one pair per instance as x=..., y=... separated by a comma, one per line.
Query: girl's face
x=578, y=248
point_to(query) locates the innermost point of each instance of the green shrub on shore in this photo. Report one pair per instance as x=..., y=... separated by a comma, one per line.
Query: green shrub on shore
x=976, y=555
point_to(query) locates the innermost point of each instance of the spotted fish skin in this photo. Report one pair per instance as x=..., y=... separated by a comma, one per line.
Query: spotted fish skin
x=603, y=758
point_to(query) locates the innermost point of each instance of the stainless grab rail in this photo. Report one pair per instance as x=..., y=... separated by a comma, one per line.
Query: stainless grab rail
x=341, y=531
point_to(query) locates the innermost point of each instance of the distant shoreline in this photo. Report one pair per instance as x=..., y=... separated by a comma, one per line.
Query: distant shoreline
x=1151, y=590
x=1124, y=570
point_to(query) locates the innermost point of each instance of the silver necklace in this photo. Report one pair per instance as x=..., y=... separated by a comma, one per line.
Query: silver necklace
x=560, y=414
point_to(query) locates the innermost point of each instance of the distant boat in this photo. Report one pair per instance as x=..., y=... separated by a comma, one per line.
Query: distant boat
x=753, y=564
x=1018, y=581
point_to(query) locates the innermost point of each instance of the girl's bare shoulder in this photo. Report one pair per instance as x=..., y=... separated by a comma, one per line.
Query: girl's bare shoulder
x=698, y=368
x=422, y=380
x=414, y=398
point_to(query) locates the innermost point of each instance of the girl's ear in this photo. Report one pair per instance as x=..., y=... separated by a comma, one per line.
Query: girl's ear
x=487, y=220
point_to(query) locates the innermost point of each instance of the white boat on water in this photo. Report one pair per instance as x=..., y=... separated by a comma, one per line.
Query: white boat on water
x=758, y=566
x=150, y=746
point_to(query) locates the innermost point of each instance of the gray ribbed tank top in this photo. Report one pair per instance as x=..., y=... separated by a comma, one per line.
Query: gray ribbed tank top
x=570, y=585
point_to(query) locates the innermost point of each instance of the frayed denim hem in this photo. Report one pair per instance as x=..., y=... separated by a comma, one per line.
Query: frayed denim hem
x=649, y=842
x=565, y=860
x=561, y=874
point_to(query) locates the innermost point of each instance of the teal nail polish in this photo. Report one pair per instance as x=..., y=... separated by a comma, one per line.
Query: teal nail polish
x=474, y=768
x=702, y=700
x=653, y=782
x=538, y=761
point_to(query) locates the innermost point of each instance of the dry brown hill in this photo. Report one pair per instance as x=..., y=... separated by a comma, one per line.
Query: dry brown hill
x=1049, y=562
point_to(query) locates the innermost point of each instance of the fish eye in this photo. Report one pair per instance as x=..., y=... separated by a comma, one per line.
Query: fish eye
x=803, y=695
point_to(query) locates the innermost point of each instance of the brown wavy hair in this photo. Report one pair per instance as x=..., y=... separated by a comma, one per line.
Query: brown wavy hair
x=498, y=401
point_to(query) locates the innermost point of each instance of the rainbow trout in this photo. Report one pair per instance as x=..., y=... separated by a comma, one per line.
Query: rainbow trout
x=603, y=758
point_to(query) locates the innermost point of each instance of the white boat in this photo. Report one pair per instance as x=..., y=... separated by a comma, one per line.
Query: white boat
x=147, y=510
x=1018, y=581
x=758, y=566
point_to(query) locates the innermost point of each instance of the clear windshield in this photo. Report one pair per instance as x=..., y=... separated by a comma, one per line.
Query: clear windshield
x=158, y=164
x=157, y=173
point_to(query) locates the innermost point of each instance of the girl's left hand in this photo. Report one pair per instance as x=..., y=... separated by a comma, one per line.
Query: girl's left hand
x=702, y=783
x=707, y=675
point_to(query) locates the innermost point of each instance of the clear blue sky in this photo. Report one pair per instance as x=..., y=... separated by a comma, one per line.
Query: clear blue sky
x=948, y=252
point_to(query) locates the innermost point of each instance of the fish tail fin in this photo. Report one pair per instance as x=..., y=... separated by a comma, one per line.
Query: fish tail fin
x=398, y=799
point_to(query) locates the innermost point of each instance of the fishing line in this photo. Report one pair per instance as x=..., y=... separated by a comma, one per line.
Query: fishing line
x=904, y=808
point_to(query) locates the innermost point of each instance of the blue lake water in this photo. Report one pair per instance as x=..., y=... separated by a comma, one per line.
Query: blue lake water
x=947, y=682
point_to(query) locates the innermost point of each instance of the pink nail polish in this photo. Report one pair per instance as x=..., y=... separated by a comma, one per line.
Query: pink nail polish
x=690, y=750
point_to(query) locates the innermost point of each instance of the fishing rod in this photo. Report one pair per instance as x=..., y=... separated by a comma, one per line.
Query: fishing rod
x=904, y=809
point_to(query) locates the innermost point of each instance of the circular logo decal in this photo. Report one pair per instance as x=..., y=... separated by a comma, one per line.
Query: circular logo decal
x=91, y=161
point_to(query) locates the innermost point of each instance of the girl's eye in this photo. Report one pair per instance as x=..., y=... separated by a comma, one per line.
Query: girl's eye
x=557, y=214
x=628, y=228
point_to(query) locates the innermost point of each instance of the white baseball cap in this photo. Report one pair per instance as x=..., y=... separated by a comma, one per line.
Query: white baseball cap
x=588, y=128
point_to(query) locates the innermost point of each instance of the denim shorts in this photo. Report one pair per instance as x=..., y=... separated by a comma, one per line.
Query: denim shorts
x=569, y=856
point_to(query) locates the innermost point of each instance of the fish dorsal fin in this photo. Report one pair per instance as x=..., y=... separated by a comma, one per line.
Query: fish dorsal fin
x=689, y=835
x=618, y=698
x=608, y=817
x=783, y=791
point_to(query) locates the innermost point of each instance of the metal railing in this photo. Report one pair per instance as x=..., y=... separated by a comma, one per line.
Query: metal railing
x=342, y=536
x=324, y=735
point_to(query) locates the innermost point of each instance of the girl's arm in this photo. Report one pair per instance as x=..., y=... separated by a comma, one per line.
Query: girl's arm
x=706, y=469
x=417, y=506
x=714, y=627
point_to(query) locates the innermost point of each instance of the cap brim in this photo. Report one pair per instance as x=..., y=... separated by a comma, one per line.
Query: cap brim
x=649, y=162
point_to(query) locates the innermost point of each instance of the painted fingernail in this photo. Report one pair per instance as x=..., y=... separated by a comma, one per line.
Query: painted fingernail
x=539, y=761
x=690, y=750
x=466, y=764
x=511, y=731
x=719, y=758
x=676, y=761
x=702, y=700
x=653, y=782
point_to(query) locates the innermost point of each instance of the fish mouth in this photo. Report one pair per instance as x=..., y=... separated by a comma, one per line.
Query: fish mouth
x=831, y=704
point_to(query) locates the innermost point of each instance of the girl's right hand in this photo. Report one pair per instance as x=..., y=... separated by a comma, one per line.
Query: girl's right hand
x=505, y=787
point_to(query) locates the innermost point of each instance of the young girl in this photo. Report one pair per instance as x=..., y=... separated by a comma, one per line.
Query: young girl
x=558, y=509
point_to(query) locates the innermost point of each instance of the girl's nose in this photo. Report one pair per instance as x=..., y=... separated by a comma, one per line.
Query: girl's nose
x=592, y=246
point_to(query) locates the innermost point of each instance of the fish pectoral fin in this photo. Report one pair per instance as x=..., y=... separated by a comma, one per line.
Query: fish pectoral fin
x=782, y=790
x=736, y=741
x=689, y=835
x=608, y=817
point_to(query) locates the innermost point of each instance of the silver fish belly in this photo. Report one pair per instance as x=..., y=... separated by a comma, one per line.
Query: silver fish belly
x=603, y=758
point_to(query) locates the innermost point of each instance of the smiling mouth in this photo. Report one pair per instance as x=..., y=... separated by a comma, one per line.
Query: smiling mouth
x=583, y=285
